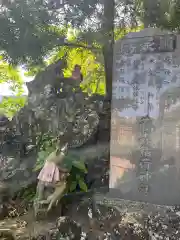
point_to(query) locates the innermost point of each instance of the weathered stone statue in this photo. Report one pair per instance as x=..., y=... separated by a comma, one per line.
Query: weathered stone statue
x=76, y=74
x=52, y=175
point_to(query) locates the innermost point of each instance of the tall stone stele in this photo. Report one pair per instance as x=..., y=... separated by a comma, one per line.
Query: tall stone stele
x=146, y=63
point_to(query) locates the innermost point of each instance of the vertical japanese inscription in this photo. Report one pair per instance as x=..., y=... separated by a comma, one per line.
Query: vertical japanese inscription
x=145, y=163
x=135, y=86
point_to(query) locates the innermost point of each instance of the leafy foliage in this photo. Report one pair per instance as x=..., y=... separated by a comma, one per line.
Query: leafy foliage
x=10, y=75
x=25, y=34
x=29, y=28
x=28, y=194
x=159, y=13
x=29, y=32
x=92, y=70
x=76, y=179
x=91, y=66
x=46, y=144
x=11, y=105
x=41, y=29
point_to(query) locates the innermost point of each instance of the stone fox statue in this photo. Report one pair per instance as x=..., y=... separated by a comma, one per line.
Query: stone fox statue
x=51, y=176
x=58, y=193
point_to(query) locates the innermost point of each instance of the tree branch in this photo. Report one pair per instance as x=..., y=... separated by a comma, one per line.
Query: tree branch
x=77, y=45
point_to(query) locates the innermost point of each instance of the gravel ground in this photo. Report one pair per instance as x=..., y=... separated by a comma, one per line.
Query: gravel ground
x=160, y=222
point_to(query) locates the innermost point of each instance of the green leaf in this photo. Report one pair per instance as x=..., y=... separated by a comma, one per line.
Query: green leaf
x=80, y=165
x=42, y=154
x=77, y=177
x=83, y=185
x=73, y=186
x=11, y=105
x=37, y=168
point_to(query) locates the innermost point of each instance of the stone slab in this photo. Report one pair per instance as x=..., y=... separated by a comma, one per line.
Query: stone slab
x=145, y=126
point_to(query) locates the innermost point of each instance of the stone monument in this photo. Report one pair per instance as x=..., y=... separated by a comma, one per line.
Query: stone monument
x=144, y=164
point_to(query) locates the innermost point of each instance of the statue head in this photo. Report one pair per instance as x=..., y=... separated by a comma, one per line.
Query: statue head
x=61, y=148
x=77, y=68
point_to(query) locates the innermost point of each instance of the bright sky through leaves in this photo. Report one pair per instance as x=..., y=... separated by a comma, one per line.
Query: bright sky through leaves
x=5, y=87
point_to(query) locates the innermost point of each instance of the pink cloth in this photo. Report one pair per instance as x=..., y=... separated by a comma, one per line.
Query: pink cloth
x=49, y=173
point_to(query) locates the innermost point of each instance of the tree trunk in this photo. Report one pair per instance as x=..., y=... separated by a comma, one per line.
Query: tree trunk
x=108, y=32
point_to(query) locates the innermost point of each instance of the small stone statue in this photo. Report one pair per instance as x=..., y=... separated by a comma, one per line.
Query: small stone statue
x=76, y=74
x=51, y=177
